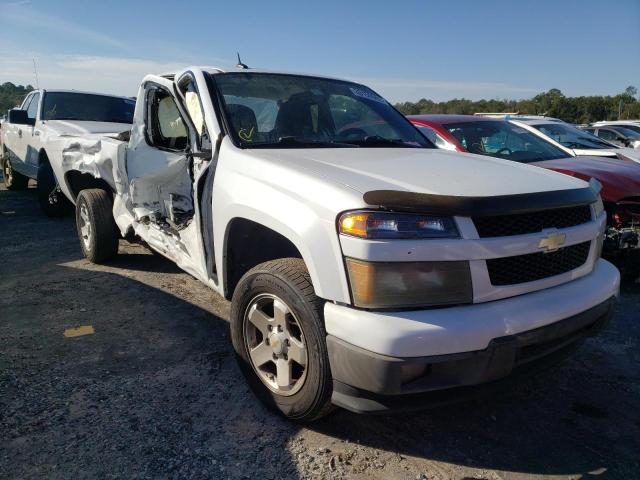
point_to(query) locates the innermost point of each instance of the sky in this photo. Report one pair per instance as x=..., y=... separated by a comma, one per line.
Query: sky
x=405, y=50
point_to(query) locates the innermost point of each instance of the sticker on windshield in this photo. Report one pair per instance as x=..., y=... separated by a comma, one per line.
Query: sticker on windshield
x=519, y=130
x=368, y=94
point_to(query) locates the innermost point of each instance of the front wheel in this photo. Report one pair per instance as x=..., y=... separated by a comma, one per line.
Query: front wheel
x=97, y=230
x=277, y=328
x=12, y=179
x=52, y=202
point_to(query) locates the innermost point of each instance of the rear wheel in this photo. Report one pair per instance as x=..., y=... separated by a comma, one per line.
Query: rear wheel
x=52, y=201
x=12, y=179
x=97, y=230
x=277, y=328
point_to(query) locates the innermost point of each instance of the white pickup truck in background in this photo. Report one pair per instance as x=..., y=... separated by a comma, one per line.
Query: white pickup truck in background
x=366, y=268
x=33, y=136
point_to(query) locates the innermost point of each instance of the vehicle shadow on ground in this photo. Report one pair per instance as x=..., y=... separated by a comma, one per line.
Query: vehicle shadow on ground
x=153, y=392
x=144, y=262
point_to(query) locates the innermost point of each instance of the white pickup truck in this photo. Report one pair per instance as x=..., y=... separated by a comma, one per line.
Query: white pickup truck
x=366, y=268
x=35, y=133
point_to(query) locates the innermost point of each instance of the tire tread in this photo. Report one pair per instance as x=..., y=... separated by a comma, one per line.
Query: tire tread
x=106, y=239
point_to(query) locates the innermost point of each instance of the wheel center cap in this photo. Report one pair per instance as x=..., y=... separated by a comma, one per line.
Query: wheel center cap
x=278, y=342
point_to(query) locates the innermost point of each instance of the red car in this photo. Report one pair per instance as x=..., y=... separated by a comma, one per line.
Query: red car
x=500, y=138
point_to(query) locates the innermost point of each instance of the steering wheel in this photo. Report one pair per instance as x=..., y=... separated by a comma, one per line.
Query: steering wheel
x=504, y=151
x=348, y=132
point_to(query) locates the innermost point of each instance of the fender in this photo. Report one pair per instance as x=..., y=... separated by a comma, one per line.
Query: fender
x=327, y=276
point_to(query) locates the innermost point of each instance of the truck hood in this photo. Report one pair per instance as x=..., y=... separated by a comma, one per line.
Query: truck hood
x=619, y=178
x=431, y=171
x=76, y=127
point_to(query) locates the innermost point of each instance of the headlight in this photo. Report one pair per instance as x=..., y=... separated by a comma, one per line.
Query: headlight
x=409, y=284
x=377, y=225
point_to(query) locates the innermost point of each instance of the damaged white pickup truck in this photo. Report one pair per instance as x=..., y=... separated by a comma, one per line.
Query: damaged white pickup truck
x=366, y=268
x=35, y=134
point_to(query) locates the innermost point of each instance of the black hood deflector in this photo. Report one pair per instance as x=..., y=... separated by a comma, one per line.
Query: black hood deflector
x=482, y=206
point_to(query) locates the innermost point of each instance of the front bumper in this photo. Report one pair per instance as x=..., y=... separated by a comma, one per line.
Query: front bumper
x=394, y=360
x=365, y=382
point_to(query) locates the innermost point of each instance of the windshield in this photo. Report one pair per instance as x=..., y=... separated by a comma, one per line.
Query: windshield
x=635, y=128
x=289, y=111
x=626, y=131
x=87, y=107
x=572, y=137
x=503, y=140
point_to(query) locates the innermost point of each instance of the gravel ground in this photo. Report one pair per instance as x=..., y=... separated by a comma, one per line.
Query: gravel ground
x=155, y=391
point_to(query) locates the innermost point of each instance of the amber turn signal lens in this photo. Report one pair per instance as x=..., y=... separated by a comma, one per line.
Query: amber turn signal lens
x=354, y=224
x=391, y=225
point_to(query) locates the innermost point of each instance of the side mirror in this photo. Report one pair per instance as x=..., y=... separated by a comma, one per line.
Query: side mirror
x=20, y=117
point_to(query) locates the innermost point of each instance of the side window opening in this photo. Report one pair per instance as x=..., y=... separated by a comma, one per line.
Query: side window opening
x=26, y=102
x=606, y=134
x=32, y=110
x=165, y=127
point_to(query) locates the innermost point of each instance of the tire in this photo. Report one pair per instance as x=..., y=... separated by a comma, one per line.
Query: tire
x=12, y=179
x=46, y=184
x=96, y=227
x=286, y=281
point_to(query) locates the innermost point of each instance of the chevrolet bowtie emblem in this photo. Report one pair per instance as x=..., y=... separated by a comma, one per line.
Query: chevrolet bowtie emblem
x=552, y=242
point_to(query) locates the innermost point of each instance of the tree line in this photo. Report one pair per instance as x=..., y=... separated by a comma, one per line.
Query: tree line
x=553, y=103
x=11, y=96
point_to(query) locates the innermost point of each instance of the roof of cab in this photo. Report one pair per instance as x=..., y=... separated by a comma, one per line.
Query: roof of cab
x=58, y=90
x=213, y=70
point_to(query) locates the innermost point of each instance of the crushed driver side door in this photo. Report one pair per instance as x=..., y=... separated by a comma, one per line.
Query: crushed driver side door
x=159, y=168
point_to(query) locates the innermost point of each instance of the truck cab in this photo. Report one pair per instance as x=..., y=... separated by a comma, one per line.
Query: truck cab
x=366, y=268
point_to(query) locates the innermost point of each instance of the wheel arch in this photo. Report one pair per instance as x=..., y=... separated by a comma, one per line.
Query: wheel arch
x=77, y=181
x=248, y=243
x=315, y=241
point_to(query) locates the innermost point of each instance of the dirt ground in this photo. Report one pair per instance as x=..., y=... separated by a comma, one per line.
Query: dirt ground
x=155, y=392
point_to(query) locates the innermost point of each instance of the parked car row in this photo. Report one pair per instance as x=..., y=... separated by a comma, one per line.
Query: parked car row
x=558, y=146
x=366, y=268
x=622, y=134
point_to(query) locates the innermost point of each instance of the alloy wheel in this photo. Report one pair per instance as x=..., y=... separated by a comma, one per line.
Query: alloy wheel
x=276, y=345
x=85, y=226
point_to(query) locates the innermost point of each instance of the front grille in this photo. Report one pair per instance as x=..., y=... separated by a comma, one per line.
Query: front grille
x=534, y=222
x=536, y=266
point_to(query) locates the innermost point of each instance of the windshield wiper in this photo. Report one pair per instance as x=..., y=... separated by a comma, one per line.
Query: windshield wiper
x=377, y=140
x=298, y=142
